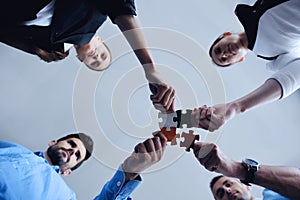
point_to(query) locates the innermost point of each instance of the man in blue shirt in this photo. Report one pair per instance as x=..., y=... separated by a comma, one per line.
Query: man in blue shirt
x=281, y=182
x=224, y=187
x=28, y=175
x=35, y=175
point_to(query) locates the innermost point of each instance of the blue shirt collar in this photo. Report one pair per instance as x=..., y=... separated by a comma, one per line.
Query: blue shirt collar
x=41, y=154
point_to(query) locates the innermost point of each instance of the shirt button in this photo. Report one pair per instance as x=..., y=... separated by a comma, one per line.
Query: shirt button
x=118, y=183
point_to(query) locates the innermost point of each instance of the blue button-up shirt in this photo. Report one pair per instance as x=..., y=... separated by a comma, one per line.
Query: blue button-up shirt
x=270, y=195
x=23, y=176
x=115, y=188
x=42, y=155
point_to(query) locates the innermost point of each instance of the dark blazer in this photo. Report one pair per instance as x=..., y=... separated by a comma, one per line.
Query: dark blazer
x=74, y=21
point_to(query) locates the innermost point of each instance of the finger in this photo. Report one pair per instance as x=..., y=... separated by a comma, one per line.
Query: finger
x=158, y=152
x=155, y=133
x=204, y=160
x=168, y=98
x=55, y=56
x=196, y=149
x=162, y=90
x=216, y=122
x=46, y=55
x=204, y=124
x=61, y=55
x=172, y=108
x=140, y=148
x=170, y=104
x=157, y=143
x=210, y=112
x=149, y=145
x=203, y=112
x=42, y=54
x=159, y=107
x=206, y=150
x=163, y=139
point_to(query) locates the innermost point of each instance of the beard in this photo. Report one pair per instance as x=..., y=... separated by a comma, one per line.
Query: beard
x=57, y=156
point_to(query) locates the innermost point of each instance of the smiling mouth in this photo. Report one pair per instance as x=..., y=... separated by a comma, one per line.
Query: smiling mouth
x=233, y=195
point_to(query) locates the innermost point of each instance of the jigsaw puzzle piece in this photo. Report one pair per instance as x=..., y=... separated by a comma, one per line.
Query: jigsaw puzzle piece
x=189, y=139
x=169, y=134
x=167, y=120
x=174, y=141
x=183, y=117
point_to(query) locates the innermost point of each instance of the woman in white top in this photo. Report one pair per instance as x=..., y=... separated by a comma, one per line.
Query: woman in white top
x=272, y=32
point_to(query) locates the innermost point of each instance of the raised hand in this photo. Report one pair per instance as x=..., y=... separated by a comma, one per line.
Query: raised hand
x=51, y=56
x=212, y=118
x=145, y=154
x=213, y=159
x=163, y=95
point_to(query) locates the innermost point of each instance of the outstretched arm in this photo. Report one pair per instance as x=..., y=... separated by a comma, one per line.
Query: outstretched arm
x=163, y=99
x=144, y=156
x=214, y=117
x=281, y=179
x=14, y=40
x=127, y=178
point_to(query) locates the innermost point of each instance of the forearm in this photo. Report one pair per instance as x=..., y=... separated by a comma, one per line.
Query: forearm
x=119, y=186
x=266, y=93
x=283, y=180
x=21, y=44
x=131, y=29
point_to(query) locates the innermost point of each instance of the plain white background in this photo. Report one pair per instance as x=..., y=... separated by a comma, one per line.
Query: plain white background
x=40, y=101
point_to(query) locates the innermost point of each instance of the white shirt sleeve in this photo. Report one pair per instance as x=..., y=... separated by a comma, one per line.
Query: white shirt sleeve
x=287, y=67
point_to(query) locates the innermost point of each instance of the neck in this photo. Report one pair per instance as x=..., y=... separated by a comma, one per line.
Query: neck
x=47, y=158
x=86, y=46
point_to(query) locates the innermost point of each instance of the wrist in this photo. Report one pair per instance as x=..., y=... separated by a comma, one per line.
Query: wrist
x=149, y=69
x=235, y=107
x=240, y=171
x=251, y=167
x=129, y=175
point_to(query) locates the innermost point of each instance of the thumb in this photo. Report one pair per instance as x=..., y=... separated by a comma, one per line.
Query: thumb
x=204, y=149
x=197, y=147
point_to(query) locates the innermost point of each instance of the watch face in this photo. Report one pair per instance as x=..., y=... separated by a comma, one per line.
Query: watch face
x=250, y=161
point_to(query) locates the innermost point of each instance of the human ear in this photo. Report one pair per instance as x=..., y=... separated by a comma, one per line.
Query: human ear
x=53, y=142
x=248, y=187
x=67, y=172
x=227, y=34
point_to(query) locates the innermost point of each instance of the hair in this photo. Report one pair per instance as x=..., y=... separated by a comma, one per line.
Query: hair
x=211, y=48
x=214, y=180
x=87, y=142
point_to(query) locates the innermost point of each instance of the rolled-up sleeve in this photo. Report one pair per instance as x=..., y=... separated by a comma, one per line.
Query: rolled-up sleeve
x=115, y=8
x=115, y=189
x=287, y=67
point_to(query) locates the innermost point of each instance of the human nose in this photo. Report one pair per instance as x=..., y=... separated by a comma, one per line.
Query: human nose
x=71, y=151
x=95, y=56
x=227, y=190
